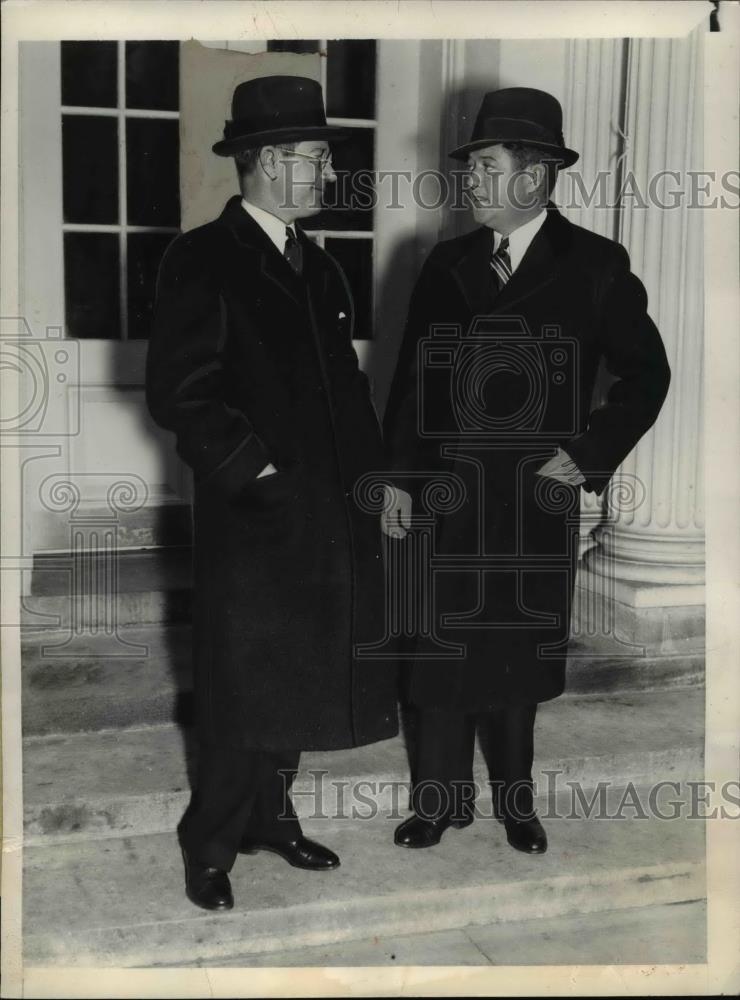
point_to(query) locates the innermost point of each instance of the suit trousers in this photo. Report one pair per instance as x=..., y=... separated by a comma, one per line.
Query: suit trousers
x=239, y=794
x=443, y=774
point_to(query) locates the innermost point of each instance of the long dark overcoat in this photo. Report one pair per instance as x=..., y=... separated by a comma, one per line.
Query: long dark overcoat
x=488, y=401
x=250, y=364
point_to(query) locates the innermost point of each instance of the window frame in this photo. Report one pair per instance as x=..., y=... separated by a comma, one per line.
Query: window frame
x=122, y=228
x=320, y=236
x=42, y=279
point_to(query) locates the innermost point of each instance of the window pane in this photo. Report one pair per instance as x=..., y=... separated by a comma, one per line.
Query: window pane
x=145, y=251
x=153, y=172
x=349, y=200
x=152, y=79
x=350, y=79
x=89, y=75
x=300, y=45
x=355, y=257
x=91, y=285
x=90, y=169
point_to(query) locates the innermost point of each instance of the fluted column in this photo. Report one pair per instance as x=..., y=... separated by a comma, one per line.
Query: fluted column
x=593, y=111
x=592, y=119
x=659, y=536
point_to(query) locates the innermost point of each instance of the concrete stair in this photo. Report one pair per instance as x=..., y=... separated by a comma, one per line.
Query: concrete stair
x=142, y=675
x=136, y=781
x=108, y=753
x=120, y=901
x=138, y=676
x=663, y=934
x=95, y=591
x=163, y=521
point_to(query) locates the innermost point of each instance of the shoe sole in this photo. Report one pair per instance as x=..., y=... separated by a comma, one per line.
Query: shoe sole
x=293, y=864
x=211, y=909
x=457, y=825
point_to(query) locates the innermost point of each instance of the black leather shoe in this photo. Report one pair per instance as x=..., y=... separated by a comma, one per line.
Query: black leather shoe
x=301, y=853
x=207, y=887
x=526, y=835
x=417, y=831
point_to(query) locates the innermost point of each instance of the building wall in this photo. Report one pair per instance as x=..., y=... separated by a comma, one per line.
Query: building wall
x=428, y=95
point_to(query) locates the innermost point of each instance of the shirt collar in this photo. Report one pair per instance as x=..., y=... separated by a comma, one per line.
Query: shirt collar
x=520, y=239
x=274, y=227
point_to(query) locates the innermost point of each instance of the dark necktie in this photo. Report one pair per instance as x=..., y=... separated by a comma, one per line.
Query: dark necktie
x=293, y=251
x=501, y=265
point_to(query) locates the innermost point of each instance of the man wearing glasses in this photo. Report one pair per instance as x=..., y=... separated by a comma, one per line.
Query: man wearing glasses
x=251, y=364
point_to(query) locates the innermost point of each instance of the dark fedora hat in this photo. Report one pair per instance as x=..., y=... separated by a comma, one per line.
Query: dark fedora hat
x=274, y=109
x=523, y=115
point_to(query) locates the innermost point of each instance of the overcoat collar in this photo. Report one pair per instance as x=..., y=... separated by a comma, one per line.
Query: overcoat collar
x=252, y=238
x=539, y=266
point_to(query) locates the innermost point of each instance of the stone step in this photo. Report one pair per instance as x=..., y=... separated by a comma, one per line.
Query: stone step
x=155, y=524
x=95, y=592
x=142, y=676
x=136, y=781
x=120, y=901
x=138, y=570
x=137, y=676
x=669, y=934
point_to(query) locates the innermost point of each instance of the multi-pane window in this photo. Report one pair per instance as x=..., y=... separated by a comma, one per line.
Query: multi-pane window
x=120, y=157
x=345, y=229
x=120, y=154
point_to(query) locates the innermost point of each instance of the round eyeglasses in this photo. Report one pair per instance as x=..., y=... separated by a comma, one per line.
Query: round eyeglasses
x=322, y=161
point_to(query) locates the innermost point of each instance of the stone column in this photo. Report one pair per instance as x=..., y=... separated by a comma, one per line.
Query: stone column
x=592, y=121
x=593, y=109
x=651, y=545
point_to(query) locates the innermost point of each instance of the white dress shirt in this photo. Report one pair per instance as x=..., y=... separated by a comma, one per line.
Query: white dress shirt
x=520, y=239
x=274, y=227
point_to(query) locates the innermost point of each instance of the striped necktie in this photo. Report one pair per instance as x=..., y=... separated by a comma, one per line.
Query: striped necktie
x=501, y=264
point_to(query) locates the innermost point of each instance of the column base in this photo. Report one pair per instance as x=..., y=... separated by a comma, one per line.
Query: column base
x=654, y=618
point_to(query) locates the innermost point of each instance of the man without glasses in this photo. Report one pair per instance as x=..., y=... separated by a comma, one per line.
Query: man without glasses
x=251, y=364
x=526, y=306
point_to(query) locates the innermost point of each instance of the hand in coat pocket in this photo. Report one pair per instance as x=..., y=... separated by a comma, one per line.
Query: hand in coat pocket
x=271, y=490
x=562, y=468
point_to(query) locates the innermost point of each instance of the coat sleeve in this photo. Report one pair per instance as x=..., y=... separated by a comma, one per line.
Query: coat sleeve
x=634, y=355
x=185, y=384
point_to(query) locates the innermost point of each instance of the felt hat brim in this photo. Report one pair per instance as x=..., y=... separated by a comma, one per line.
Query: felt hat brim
x=567, y=157
x=332, y=133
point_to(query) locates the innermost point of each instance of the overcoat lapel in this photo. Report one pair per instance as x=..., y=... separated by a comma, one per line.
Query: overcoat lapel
x=472, y=272
x=271, y=264
x=538, y=268
x=316, y=279
x=314, y=272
